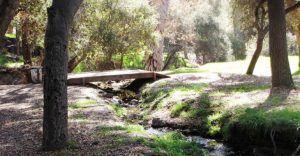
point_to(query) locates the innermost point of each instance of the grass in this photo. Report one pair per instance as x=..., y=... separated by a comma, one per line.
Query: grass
x=128, y=128
x=9, y=63
x=171, y=143
x=174, y=144
x=72, y=144
x=297, y=73
x=134, y=129
x=263, y=66
x=257, y=124
x=83, y=104
x=118, y=110
x=244, y=88
x=80, y=116
x=167, y=90
x=186, y=70
x=178, y=108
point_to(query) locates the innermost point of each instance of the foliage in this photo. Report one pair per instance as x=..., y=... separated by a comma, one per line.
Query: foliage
x=8, y=62
x=238, y=46
x=81, y=67
x=107, y=28
x=34, y=12
x=211, y=46
x=131, y=60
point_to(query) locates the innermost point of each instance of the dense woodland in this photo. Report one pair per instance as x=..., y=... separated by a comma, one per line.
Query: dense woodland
x=230, y=68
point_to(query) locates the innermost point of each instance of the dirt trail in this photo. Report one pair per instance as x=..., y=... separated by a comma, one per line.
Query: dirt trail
x=21, y=123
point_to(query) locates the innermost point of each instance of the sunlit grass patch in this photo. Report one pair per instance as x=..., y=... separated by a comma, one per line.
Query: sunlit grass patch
x=174, y=144
x=134, y=129
x=167, y=90
x=240, y=67
x=214, y=123
x=9, y=63
x=178, y=108
x=125, y=129
x=244, y=88
x=186, y=70
x=118, y=110
x=297, y=73
x=83, y=104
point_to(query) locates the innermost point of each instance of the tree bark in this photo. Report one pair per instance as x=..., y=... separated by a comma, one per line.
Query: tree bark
x=281, y=73
x=155, y=61
x=259, y=46
x=8, y=10
x=25, y=44
x=55, y=121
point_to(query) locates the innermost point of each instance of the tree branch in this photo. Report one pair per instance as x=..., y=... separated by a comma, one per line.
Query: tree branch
x=292, y=8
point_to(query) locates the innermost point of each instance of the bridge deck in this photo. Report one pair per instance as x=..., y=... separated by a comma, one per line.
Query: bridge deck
x=82, y=78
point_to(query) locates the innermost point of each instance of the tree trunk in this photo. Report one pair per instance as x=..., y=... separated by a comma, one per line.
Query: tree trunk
x=155, y=61
x=298, y=42
x=259, y=46
x=25, y=43
x=18, y=40
x=170, y=59
x=72, y=64
x=281, y=73
x=55, y=121
x=122, y=61
x=8, y=9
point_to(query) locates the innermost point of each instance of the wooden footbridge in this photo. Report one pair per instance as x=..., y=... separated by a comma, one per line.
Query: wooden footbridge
x=114, y=75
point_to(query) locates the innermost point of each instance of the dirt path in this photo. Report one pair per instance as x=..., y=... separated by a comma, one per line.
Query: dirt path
x=21, y=124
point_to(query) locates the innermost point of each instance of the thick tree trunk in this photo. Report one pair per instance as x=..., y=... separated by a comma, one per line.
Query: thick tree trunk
x=8, y=9
x=281, y=73
x=257, y=52
x=55, y=121
x=25, y=43
x=155, y=61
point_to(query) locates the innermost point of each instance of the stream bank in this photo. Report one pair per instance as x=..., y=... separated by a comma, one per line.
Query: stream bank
x=214, y=108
